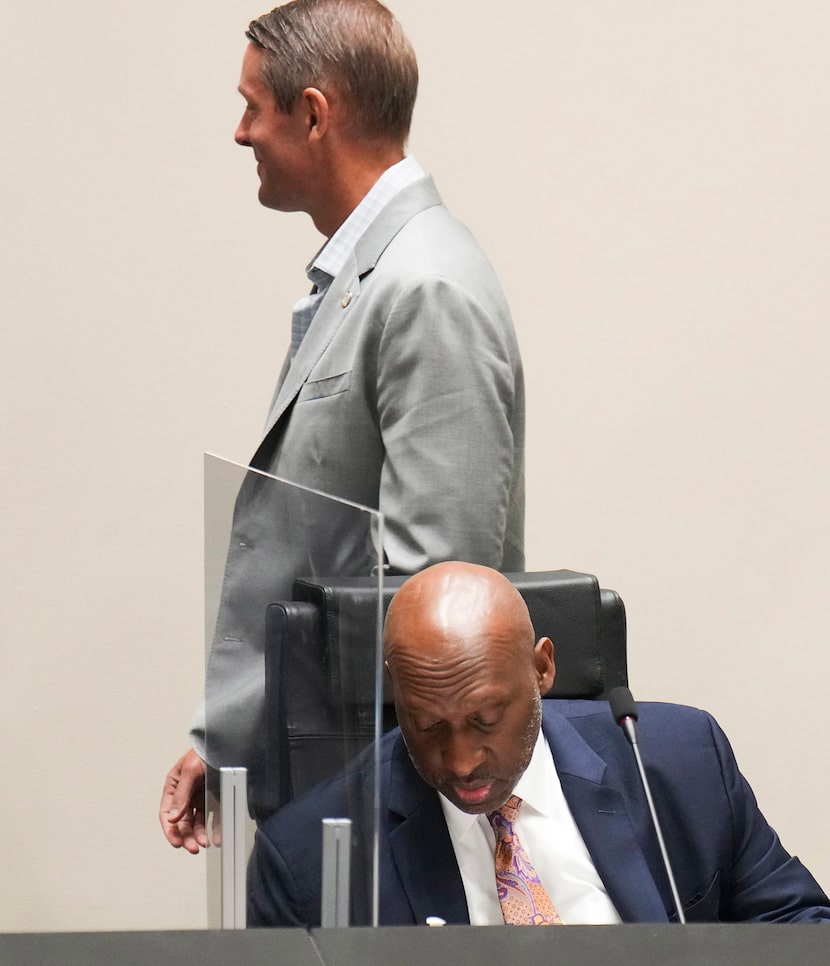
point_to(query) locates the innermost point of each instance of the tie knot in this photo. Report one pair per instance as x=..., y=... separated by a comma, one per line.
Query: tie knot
x=507, y=812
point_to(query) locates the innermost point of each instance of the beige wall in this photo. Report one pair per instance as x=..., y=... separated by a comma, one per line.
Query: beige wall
x=651, y=181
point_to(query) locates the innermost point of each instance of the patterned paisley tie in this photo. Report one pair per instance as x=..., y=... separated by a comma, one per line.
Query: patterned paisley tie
x=523, y=899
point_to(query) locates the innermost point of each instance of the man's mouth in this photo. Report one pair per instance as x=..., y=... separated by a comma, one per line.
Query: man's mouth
x=473, y=793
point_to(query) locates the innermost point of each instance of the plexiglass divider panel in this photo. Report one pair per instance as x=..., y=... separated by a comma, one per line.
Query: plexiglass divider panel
x=283, y=699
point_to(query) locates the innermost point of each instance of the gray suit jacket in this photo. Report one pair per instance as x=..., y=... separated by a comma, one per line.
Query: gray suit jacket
x=407, y=396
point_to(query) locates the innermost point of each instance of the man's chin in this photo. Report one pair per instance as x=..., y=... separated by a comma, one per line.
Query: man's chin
x=266, y=199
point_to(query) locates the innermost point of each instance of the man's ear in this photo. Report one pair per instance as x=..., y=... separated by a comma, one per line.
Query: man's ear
x=545, y=666
x=317, y=111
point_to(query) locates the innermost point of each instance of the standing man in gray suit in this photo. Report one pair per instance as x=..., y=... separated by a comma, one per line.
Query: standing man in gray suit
x=402, y=390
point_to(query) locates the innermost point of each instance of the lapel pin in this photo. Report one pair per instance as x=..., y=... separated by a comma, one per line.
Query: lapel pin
x=346, y=299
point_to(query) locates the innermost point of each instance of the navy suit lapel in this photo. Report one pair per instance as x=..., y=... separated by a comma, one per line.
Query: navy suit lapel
x=420, y=847
x=603, y=819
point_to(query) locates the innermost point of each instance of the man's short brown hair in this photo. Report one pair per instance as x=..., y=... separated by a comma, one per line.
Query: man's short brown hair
x=354, y=47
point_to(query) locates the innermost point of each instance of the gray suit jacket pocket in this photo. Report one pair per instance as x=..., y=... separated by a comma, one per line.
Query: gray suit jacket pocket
x=328, y=386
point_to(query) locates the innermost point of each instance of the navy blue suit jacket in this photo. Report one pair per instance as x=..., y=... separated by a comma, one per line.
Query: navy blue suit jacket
x=728, y=862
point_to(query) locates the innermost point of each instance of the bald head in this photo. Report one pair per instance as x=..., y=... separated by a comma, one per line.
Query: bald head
x=467, y=679
x=455, y=604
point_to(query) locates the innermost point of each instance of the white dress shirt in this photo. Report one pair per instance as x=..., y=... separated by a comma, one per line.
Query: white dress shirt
x=549, y=835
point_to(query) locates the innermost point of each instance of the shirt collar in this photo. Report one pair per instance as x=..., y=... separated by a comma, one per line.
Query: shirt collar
x=336, y=251
x=535, y=787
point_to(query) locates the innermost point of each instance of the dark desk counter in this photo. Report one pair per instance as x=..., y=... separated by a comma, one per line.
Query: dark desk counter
x=635, y=945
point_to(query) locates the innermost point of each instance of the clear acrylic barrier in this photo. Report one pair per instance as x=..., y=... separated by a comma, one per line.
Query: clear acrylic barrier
x=262, y=534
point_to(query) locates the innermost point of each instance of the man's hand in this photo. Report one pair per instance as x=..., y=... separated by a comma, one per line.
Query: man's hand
x=182, y=809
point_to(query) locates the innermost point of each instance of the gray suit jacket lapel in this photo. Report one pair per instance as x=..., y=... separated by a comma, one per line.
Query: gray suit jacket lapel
x=601, y=815
x=344, y=293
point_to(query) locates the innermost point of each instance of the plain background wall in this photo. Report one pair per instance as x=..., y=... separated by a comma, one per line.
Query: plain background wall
x=651, y=181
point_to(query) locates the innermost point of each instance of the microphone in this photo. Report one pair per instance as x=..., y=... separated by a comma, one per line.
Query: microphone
x=624, y=710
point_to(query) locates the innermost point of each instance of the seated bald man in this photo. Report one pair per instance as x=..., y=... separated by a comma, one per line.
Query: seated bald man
x=498, y=806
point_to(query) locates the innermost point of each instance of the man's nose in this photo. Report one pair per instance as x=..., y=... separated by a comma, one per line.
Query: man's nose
x=462, y=754
x=241, y=135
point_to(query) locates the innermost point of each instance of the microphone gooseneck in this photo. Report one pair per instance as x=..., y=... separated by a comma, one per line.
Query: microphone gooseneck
x=624, y=710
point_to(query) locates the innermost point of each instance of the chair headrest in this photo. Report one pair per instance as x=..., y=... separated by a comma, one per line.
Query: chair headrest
x=564, y=605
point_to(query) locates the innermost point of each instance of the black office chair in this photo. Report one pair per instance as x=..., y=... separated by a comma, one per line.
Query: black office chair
x=320, y=666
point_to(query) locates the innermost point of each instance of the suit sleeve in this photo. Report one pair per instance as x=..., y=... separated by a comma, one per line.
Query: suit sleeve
x=273, y=894
x=451, y=412
x=764, y=883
